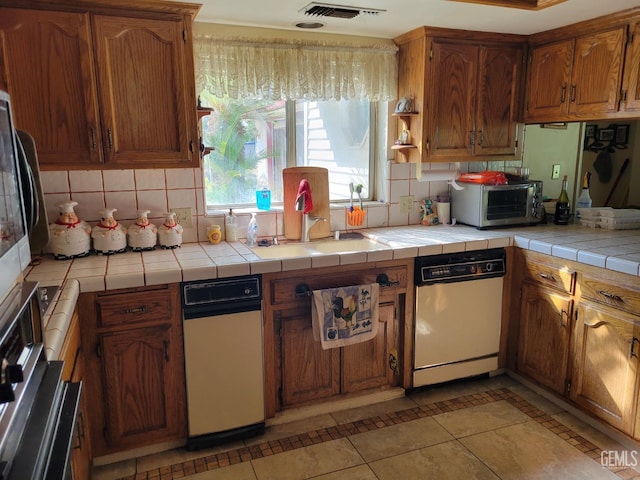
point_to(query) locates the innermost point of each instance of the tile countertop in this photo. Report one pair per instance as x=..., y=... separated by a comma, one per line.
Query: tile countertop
x=613, y=250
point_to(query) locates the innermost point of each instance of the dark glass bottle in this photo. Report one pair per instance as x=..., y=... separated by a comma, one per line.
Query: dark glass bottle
x=562, y=205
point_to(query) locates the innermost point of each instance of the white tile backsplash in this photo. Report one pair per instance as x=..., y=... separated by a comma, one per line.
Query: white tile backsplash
x=54, y=182
x=86, y=181
x=117, y=180
x=148, y=179
x=158, y=190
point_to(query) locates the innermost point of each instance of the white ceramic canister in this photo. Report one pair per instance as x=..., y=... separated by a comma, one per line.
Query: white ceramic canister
x=108, y=235
x=170, y=232
x=70, y=236
x=142, y=235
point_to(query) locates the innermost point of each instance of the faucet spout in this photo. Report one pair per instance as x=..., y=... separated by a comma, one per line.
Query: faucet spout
x=307, y=223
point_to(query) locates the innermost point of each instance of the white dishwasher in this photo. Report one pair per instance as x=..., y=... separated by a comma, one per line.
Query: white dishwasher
x=458, y=315
x=224, y=360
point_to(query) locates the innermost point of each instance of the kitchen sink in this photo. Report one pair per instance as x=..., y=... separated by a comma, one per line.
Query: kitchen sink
x=282, y=251
x=347, y=246
x=318, y=247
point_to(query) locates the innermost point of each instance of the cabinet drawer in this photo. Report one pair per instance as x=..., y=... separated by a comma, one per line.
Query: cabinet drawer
x=137, y=307
x=560, y=278
x=294, y=288
x=608, y=292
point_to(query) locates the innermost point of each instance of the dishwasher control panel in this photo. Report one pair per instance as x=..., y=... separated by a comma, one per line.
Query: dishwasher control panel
x=460, y=266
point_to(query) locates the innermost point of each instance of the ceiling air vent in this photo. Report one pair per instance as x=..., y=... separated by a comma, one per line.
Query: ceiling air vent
x=337, y=11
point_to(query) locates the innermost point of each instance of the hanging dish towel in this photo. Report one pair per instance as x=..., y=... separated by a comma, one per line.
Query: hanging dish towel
x=345, y=315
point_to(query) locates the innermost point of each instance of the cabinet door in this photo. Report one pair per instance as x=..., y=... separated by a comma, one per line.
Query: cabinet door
x=81, y=454
x=499, y=90
x=148, y=113
x=597, y=73
x=549, y=77
x=366, y=364
x=545, y=329
x=453, y=100
x=631, y=85
x=605, y=365
x=141, y=387
x=46, y=65
x=308, y=371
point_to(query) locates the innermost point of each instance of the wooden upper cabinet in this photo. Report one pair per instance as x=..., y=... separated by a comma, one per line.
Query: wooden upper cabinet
x=46, y=63
x=577, y=78
x=147, y=112
x=631, y=81
x=453, y=99
x=467, y=89
x=499, y=100
x=597, y=73
x=102, y=86
x=549, y=77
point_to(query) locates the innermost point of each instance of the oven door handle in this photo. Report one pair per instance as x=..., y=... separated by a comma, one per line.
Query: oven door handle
x=60, y=457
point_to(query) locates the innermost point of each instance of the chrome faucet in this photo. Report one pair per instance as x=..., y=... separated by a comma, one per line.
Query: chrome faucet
x=307, y=220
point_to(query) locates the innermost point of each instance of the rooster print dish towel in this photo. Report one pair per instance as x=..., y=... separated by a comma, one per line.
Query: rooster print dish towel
x=345, y=315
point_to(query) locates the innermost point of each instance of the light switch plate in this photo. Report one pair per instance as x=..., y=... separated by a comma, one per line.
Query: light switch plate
x=555, y=173
x=406, y=203
x=184, y=216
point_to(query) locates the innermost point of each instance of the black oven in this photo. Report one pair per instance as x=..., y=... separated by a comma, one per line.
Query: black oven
x=37, y=409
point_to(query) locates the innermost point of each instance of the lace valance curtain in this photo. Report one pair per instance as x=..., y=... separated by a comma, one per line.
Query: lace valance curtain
x=291, y=69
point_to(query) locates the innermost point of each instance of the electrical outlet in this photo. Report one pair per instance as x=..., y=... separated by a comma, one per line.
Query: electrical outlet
x=184, y=216
x=555, y=173
x=406, y=203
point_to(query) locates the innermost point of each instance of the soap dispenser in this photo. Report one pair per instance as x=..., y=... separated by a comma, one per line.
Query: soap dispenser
x=252, y=231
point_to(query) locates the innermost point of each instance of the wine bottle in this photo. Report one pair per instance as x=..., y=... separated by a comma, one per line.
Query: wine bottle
x=584, y=200
x=562, y=205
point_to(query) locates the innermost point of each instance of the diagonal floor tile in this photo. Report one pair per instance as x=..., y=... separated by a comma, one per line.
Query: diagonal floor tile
x=445, y=461
x=239, y=471
x=308, y=461
x=481, y=418
x=528, y=451
x=274, y=432
x=398, y=439
x=361, y=472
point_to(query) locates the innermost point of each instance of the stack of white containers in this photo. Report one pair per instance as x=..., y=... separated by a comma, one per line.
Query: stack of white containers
x=610, y=218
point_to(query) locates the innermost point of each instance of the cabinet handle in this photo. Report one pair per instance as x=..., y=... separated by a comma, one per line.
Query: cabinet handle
x=547, y=276
x=572, y=96
x=563, y=93
x=79, y=431
x=110, y=137
x=166, y=350
x=302, y=290
x=141, y=309
x=563, y=314
x=472, y=137
x=593, y=323
x=94, y=144
x=481, y=138
x=632, y=350
x=611, y=296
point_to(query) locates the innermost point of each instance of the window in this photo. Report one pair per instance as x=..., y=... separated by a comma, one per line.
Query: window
x=254, y=140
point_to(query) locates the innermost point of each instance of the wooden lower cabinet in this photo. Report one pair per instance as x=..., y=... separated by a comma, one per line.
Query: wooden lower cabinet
x=299, y=371
x=72, y=354
x=545, y=333
x=311, y=373
x=578, y=335
x=135, y=366
x=605, y=364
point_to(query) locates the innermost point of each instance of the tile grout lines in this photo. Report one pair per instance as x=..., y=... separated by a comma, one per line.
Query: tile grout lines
x=293, y=442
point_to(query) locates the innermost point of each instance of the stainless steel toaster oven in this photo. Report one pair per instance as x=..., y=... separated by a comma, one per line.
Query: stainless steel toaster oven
x=486, y=206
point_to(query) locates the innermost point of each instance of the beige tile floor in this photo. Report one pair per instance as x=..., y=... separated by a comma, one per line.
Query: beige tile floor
x=486, y=429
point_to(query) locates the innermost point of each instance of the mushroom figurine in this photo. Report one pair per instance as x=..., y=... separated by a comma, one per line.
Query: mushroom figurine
x=108, y=235
x=142, y=235
x=70, y=236
x=170, y=232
